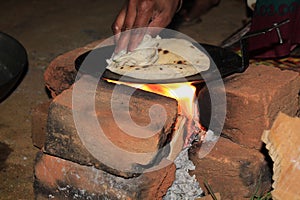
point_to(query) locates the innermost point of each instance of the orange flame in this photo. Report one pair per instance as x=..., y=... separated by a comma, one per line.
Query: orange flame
x=184, y=93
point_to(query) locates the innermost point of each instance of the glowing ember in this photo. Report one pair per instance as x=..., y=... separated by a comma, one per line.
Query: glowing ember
x=185, y=94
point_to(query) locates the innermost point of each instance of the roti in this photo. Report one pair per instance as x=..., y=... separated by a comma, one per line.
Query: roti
x=160, y=59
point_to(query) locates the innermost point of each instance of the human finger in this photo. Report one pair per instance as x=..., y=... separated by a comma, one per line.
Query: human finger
x=118, y=23
x=124, y=36
x=123, y=41
x=145, y=10
x=164, y=13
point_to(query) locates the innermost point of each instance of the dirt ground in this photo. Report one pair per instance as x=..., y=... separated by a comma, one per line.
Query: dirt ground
x=48, y=29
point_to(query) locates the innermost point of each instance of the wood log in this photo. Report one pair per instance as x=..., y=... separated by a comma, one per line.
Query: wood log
x=282, y=141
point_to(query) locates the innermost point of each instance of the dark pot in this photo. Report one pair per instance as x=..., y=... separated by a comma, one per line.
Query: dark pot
x=13, y=64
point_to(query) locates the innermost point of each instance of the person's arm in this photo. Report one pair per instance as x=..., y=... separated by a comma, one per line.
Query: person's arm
x=141, y=13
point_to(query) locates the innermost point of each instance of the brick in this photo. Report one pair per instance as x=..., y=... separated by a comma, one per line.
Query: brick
x=61, y=72
x=233, y=171
x=254, y=98
x=56, y=178
x=39, y=116
x=64, y=141
x=209, y=197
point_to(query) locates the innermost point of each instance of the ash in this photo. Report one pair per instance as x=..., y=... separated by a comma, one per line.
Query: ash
x=184, y=186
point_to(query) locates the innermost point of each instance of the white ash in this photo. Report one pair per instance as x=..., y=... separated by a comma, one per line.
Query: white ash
x=184, y=186
x=210, y=136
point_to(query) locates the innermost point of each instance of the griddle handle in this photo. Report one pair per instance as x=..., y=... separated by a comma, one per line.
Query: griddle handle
x=244, y=54
x=244, y=41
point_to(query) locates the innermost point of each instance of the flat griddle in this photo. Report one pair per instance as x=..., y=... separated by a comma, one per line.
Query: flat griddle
x=224, y=62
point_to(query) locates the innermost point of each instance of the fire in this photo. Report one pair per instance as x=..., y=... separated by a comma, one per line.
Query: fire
x=185, y=94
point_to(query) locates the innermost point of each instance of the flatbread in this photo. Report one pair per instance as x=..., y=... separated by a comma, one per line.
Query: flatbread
x=161, y=59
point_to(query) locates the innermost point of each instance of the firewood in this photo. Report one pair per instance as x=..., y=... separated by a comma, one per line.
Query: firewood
x=283, y=141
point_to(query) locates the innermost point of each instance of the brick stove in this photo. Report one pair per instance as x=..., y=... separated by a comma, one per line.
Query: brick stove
x=235, y=167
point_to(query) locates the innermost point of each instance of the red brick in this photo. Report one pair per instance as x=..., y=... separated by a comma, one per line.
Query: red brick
x=39, y=116
x=61, y=179
x=209, y=197
x=61, y=72
x=254, y=98
x=62, y=135
x=233, y=171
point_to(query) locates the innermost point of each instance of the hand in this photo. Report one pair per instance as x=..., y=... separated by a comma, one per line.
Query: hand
x=141, y=13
